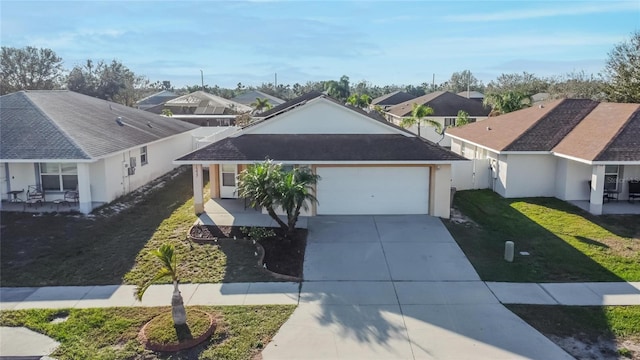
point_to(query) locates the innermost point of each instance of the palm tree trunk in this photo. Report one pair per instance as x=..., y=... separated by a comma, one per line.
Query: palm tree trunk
x=292, y=222
x=178, y=311
x=275, y=217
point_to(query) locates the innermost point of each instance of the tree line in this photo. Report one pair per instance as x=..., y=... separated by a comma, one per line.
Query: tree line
x=31, y=68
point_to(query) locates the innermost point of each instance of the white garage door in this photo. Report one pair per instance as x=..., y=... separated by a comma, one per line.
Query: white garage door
x=373, y=190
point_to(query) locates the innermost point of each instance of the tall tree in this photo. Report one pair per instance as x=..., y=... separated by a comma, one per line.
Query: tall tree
x=113, y=81
x=502, y=103
x=463, y=80
x=577, y=85
x=623, y=71
x=338, y=89
x=29, y=68
x=261, y=105
x=525, y=83
x=169, y=269
x=361, y=101
x=418, y=116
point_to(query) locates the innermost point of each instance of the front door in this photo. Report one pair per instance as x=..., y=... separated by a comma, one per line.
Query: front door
x=228, y=174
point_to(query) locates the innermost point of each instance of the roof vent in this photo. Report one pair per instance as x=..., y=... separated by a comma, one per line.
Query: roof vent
x=119, y=121
x=488, y=128
x=541, y=106
x=149, y=124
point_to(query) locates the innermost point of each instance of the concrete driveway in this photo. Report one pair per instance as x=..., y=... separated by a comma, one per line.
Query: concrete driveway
x=398, y=287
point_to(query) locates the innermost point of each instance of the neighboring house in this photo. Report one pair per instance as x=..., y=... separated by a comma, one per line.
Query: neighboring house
x=60, y=141
x=204, y=109
x=250, y=97
x=154, y=103
x=389, y=100
x=539, y=98
x=554, y=149
x=473, y=95
x=367, y=166
x=445, y=107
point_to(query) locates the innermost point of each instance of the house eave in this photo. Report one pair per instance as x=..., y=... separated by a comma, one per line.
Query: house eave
x=22, y=161
x=474, y=143
x=325, y=162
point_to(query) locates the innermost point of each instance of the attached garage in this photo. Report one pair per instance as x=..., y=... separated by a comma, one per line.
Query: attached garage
x=366, y=190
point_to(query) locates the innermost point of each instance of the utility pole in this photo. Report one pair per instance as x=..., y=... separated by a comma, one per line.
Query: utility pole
x=202, y=79
x=433, y=83
x=275, y=82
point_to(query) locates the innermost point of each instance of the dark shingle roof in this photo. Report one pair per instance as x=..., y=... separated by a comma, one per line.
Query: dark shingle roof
x=157, y=98
x=443, y=103
x=60, y=124
x=322, y=147
x=553, y=126
x=393, y=98
x=250, y=97
x=625, y=146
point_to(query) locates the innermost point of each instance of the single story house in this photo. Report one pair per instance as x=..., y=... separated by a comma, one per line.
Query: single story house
x=391, y=99
x=59, y=141
x=249, y=97
x=204, y=109
x=445, y=107
x=572, y=149
x=367, y=166
x=155, y=102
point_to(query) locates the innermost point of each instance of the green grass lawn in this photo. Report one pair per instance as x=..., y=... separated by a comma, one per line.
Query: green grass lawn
x=565, y=242
x=589, y=324
x=50, y=249
x=110, y=333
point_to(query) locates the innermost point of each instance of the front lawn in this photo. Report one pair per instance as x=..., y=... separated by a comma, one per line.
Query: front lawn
x=242, y=331
x=587, y=331
x=565, y=243
x=50, y=249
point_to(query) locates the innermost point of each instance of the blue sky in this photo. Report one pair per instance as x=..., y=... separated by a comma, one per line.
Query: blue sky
x=384, y=42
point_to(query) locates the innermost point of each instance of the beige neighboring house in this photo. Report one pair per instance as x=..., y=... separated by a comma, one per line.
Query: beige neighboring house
x=445, y=107
x=577, y=150
x=204, y=109
x=368, y=166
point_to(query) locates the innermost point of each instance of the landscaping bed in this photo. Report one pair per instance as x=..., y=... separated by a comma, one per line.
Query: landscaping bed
x=281, y=256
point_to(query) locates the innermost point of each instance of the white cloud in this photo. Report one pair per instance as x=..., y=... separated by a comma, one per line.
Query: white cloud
x=568, y=9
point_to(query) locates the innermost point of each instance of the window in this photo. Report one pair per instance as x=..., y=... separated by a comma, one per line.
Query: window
x=449, y=121
x=228, y=174
x=611, y=177
x=58, y=177
x=144, y=160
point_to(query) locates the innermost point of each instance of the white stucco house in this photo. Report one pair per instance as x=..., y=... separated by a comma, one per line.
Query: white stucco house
x=445, y=107
x=60, y=141
x=572, y=149
x=367, y=165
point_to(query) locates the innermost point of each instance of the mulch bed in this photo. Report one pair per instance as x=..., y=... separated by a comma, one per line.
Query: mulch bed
x=282, y=256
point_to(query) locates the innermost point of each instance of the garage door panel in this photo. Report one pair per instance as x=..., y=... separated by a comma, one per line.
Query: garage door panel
x=373, y=190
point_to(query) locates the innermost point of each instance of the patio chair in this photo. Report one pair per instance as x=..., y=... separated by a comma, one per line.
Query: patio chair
x=34, y=196
x=71, y=196
x=605, y=194
x=634, y=190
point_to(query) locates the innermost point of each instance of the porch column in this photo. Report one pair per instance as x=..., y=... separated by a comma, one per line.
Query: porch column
x=440, y=191
x=198, y=197
x=214, y=181
x=597, y=189
x=84, y=188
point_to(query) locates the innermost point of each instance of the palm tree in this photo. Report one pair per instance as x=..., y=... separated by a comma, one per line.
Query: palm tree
x=338, y=89
x=296, y=192
x=502, y=103
x=261, y=105
x=258, y=183
x=418, y=114
x=361, y=101
x=267, y=185
x=166, y=254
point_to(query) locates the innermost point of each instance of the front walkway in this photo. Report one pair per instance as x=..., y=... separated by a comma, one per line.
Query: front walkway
x=236, y=212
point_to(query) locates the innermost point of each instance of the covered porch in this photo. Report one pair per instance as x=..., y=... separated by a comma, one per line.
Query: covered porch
x=620, y=207
x=614, y=189
x=237, y=212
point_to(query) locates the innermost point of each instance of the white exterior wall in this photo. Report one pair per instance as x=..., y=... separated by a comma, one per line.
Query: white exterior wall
x=473, y=174
x=321, y=116
x=440, y=191
x=572, y=180
x=530, y=175
x=20, y=176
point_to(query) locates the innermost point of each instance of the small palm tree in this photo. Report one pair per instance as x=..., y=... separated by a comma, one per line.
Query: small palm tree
x=258, y=183
x=418, y=114
x=166, y=254
x=261, y=105
x=502, y=103
x=296, y=191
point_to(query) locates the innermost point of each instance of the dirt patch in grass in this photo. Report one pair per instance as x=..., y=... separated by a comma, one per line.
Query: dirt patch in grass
x=589, y=332
x=282, y=256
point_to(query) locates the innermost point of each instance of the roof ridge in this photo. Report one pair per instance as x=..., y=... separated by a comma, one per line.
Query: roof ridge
x=57, y=126
x=614, y=137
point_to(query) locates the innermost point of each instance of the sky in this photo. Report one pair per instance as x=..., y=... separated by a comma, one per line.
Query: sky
x=383, y=42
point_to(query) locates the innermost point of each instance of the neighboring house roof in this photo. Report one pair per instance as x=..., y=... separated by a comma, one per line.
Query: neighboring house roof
x=61, y=124
x=207, y=104
x=540, y=97
x=393, y=98
x=322, y=147
x=250, y=97
x=471, y=94
x=578, y=128
x=443, y=103
x=157, y=98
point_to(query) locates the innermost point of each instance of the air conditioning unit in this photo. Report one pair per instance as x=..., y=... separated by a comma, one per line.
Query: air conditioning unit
x=131, y=170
